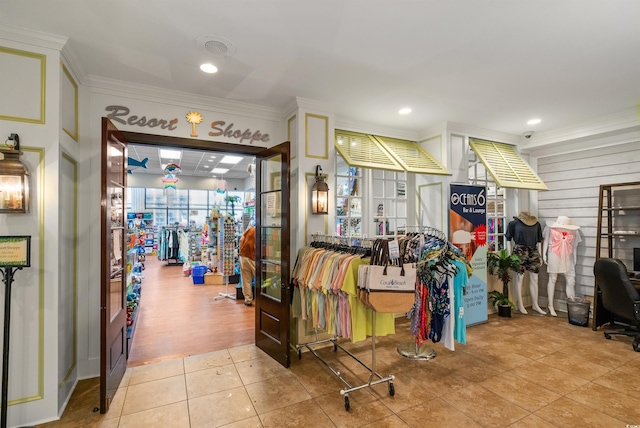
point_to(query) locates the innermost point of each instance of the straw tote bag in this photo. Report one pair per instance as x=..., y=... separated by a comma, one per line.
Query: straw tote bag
x=384, y=287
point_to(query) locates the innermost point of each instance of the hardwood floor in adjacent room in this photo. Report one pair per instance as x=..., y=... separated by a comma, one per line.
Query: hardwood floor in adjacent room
x=178, y=318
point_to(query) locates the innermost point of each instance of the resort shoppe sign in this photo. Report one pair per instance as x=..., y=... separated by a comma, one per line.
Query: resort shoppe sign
x=219, y=128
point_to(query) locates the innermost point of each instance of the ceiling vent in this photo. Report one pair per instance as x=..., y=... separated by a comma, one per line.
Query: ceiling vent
x=217, y=45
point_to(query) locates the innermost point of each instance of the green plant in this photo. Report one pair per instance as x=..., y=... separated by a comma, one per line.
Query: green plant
x=500, y=263
x=500, y=299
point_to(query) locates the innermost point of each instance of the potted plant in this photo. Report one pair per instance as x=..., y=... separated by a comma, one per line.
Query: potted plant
x=500, y=263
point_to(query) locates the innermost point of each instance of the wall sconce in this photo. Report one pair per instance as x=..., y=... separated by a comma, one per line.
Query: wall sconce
x=14, y=178
x=319, y=194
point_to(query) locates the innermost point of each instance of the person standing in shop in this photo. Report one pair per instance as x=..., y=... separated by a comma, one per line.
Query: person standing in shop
x=247, y=255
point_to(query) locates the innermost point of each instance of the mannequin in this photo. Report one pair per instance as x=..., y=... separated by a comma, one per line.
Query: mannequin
x=559, y=252
x=526, y=233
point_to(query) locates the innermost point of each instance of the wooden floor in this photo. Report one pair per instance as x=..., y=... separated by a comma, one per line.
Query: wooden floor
x=178, y=318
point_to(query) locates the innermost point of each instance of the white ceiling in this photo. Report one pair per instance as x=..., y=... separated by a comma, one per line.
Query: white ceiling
x=492, y=63
x=198, y=163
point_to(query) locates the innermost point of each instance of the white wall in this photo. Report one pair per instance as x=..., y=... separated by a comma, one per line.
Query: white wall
x=573, y=179
x=34, y=340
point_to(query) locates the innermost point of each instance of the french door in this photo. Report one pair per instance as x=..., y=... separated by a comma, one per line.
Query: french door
x=272, y=253
x=113, y=304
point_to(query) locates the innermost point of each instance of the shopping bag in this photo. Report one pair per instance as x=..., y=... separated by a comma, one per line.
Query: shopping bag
x=385, y=288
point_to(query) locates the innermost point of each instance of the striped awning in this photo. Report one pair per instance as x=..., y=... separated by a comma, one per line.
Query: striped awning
x=372, y=151
x=412, y=156
x=364, y=151
x=506, y=166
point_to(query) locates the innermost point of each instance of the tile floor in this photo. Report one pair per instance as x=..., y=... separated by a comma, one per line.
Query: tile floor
x=526, y=371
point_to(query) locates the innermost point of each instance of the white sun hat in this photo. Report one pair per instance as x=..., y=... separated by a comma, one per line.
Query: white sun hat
x=564, y=222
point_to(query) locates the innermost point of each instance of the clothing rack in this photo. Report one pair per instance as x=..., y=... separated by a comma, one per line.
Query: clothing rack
x=372, y=370
x=339, y=243
x=170, y=253
x=428, y=258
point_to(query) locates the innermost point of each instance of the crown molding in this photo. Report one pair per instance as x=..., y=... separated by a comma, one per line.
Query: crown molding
x=604, y=125
x=73, y=64
x=309, y=104
x=31, y=37
x=612, y=138
x=167, y=96
x=482, y=133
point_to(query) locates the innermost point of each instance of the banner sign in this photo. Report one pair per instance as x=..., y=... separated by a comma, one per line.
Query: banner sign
x=468, y=231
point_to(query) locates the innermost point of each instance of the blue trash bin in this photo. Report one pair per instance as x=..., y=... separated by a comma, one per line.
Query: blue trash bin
x=197, y=274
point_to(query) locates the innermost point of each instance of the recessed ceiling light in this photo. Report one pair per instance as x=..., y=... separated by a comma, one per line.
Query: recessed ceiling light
x=170, y=154
x=533, y=121
x=219, y=171
x=205, y=166
x=340, y=141
x=212, y=157
x=354, y=143
x=209, y=68
x=405, y=110
x=231, y=159
x=209, y=160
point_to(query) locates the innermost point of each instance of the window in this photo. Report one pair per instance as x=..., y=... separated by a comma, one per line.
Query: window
x=389, y=192
x=348, y=199
x=496, y=203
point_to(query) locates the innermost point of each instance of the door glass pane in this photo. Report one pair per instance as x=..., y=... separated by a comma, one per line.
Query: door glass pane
x=402, y=190
x=356, y=207
x=116, y=279
x=270, y=265
x=116, y=163
x=402, y=209
x=342, y=186
x=390, y=189
x=271, y=174
x=391, y=226
x=271, y=209
x=378, y=188
x=342, y=207
x=354, y=187
x=341, y=166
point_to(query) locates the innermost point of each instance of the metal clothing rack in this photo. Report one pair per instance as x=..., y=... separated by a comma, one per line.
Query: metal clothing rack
x=374, y=377
x=417, y=350
x=165, y=231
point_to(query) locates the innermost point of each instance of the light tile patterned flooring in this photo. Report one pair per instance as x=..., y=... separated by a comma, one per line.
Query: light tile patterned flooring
x=526, y=371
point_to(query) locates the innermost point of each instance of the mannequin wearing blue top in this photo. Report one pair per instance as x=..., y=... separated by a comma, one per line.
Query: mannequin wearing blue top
x=526, y=233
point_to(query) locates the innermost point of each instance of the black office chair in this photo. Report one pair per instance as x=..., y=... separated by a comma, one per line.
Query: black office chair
x=619, y=297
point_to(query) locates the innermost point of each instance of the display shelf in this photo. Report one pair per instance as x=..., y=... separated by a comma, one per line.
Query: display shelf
x=618, y=233
x=132, y=289
x=131, y=329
